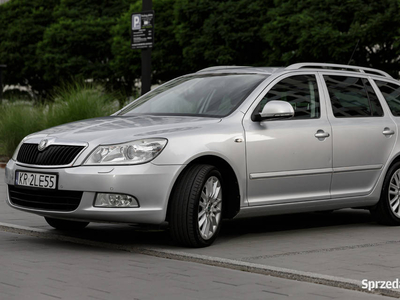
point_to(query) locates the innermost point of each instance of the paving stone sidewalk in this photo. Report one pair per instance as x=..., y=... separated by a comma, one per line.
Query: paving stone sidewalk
x=40, y=269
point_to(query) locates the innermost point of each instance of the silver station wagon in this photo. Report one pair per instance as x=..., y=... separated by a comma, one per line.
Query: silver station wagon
x=225, y=142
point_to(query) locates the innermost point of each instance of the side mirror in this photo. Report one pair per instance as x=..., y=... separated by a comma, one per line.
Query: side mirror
x=277, y=109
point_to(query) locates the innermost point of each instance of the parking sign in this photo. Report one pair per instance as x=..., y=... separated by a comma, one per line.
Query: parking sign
x=136, y=22
x=143, y=30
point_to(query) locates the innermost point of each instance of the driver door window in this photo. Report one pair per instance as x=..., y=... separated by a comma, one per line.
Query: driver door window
x=300, y=91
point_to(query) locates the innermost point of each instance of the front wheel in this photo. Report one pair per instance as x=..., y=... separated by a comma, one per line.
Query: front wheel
x=65, y=224
x=387, y=211
x=196, y=206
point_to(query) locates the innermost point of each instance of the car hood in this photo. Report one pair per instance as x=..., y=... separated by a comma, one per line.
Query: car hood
x=119, y=129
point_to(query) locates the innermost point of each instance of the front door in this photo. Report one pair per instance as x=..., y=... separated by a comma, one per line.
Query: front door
x=290, y=160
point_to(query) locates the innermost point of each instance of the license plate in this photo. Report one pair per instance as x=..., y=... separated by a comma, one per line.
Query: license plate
x=37, y=180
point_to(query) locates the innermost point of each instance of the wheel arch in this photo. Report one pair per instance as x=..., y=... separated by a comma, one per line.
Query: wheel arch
x=383, y=210
x=231, y=202
x=379, y=187
x=395, y=159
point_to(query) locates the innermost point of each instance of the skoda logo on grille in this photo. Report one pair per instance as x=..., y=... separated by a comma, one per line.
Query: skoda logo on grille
x=42, y=145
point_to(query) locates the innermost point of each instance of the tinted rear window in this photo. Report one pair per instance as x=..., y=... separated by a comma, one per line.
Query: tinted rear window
x=352, y=97
x=391, y=93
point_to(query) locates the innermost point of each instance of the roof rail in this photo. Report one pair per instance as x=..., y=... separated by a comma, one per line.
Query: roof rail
x=336, y=66
x=221, y=68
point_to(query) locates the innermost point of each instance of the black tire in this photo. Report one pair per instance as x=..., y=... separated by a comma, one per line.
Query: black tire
x=188, y=209
x=65, y=224
x=383, y=211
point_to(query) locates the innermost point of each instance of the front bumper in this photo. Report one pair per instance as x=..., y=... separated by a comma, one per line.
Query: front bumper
x=150, y=184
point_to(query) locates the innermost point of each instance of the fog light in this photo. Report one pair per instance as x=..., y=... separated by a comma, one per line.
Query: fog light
x=115, y=200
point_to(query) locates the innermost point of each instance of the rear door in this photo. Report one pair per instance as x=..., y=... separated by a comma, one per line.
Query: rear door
x=363, y=134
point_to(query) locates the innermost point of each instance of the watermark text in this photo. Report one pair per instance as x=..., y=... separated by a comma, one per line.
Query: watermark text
x=379, y=284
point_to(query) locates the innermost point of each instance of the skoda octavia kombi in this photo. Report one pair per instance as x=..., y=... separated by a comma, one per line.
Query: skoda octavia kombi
x=225, y=142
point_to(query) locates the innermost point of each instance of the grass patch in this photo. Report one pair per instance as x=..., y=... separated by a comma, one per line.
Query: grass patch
x=70, y=103
x=79, y=101
x=18, y=120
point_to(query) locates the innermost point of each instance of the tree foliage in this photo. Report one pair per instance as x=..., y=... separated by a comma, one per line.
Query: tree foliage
x=79, y=43
x=221, y=32
x=331, y=30
x=22, y=24
x=47, y=42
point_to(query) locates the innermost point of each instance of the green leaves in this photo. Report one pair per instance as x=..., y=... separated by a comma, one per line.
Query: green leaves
x=79, y=43
x=329, y=31
x=22, y=24
x=47, y=42
x=219, y=33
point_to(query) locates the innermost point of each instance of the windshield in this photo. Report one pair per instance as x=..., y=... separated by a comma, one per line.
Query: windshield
x=199, y=95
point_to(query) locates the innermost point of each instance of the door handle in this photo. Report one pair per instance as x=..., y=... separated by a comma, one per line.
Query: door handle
x=321, y=134
x=388, y=131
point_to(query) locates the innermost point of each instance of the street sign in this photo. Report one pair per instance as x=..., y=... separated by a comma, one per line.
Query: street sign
x=143, y=30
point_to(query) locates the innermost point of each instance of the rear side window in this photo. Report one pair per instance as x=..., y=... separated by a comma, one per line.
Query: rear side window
x=391, y=93
x=300, y=91
x=352, y=97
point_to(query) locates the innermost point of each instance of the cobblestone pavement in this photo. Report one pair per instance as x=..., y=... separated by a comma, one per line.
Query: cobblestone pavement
x=32, y=268
x=346, y=244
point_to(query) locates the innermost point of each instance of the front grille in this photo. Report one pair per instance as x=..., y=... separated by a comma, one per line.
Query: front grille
x=44, y=199
x=54, y=155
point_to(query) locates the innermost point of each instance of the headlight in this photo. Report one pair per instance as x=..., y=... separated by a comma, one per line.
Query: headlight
x=135, y=152
x=14, y=157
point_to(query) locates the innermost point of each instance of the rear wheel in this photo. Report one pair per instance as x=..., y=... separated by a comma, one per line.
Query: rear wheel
x=196, y=206
x=65, y=224
x=387, y=211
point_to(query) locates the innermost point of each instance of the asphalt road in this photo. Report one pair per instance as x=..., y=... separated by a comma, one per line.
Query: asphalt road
x=302, y=256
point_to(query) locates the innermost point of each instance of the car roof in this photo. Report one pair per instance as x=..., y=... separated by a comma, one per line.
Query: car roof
x=312, y=66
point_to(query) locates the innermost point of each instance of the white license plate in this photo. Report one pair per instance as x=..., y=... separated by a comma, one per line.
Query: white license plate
x=38, y=180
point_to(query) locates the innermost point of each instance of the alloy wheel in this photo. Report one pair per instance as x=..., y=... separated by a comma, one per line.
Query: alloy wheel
x=394, y=193
x=210, y=207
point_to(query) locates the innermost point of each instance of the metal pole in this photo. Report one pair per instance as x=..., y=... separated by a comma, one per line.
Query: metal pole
x=146, y=70
x=1, y=81
x=146, y=56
